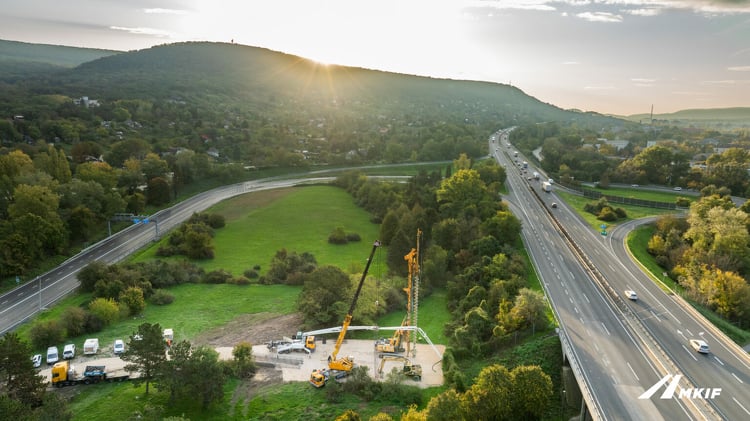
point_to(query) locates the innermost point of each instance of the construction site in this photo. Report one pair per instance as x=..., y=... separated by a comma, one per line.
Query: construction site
x=316, y=357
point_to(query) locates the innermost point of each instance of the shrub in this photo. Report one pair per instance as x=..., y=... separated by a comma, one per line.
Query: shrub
x=132, y=298
x=257, y=268
x=353, y=237
x=238, y=280
x=338, y=236
x=243, y=362
x=166, y=251
x=46, y=334
x=161, y=297
x=219, y=276
x=94, y=323
x=251, y=274
x=73, y=320
x=216, y=221
x=106, y=309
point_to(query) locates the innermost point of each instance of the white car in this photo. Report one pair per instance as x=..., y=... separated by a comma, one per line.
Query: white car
x=699, y=345
x=53, y=355
x=678, y=189
x=69, y=351
x=631, y=295
x=37, y=360
x=119, y=347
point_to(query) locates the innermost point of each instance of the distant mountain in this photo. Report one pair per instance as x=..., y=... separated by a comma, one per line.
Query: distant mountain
x=714, y=117
x=261, y=78
x=55, y=55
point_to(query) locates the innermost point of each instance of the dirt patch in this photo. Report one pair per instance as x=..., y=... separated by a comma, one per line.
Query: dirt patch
x=263, y=379
x=256, y=329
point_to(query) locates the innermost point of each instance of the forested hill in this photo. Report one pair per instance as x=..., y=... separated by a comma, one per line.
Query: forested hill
x=20, y=59
x=261, y=78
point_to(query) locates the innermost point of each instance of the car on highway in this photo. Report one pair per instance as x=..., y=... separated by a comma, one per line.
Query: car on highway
x=678, y=188
x=631, y=295
x=554, y=205
x=699, y=345
x=36, y=360
x=635, y=185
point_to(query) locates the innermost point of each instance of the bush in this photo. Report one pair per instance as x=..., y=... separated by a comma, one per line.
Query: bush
x=251, y=274
x=106, y=309
x=46, y=334
x=216, y=221
x=219, y=276
x=73, y=320
x=94, y=323
x=166, y=251
x=238, y=280
x=338, y=236
x=353, y=237
x=161, y=297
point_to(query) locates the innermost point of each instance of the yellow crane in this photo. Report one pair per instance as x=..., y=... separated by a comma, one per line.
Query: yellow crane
x=340, y=367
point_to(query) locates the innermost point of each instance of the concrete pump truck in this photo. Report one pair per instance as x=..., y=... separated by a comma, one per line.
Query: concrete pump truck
x=341, y=367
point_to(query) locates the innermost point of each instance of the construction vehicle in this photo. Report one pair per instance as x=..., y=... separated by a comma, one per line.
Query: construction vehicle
x=290, y=344
x=392, y=344
x=64, y=374
x=340, y=367
x=410, y=370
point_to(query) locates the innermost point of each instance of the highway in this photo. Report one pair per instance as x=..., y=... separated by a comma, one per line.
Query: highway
x=623, y=347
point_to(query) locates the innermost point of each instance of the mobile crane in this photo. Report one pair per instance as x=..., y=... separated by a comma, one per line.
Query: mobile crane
x=340, y=367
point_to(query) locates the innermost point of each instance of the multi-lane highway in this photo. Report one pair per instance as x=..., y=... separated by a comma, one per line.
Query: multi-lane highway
x=622, y=347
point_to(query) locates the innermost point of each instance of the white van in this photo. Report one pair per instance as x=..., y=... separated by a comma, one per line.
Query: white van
x=91, y=346
x=69, y=351
x=52, y=355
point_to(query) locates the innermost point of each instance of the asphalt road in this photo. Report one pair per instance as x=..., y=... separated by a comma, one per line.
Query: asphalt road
x=638, y=342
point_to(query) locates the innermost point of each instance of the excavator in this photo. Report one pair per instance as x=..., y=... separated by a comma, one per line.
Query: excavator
x=340, y=367
x=410, y=370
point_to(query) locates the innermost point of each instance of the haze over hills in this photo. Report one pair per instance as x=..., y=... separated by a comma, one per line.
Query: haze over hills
x=717, y=118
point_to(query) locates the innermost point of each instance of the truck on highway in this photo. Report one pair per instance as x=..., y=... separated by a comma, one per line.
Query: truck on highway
x=546, y=186
x=64, y=374
x=525, y=164
x=536, y=175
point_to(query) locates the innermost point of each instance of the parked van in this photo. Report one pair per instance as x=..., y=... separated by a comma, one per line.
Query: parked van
x=52, y=355
x=69, y=352
x=91, y=346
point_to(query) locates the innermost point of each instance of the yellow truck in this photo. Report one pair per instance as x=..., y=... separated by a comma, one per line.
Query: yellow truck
x=64, y=374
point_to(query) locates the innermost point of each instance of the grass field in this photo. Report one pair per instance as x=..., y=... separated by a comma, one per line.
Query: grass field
x=634, y=212
x=259, y=224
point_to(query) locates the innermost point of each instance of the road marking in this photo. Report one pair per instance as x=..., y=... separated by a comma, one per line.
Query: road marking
x=718, y=360
x=587, y=298
x=588, y=332
x=633, y=371
x=571, y=300
x=20, y=294
x=597, y=347
x=605, y=329
x=689, y=352
x=566, y=292
x=738, y=379
x=5, y=301
x=743, y=408
x=689, y=333
x=576, y=309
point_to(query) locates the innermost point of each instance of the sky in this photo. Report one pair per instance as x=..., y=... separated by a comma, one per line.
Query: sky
x=610, y=56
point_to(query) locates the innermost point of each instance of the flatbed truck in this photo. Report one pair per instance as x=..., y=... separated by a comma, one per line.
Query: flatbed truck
x=64, y=374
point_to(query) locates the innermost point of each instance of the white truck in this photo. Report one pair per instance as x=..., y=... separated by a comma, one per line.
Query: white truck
x=91, y=346
x=536, y=175
x=546, y=186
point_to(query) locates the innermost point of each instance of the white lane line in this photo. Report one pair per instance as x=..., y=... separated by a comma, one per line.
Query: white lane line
x=689, y=353
x=606, y=330
x=718, y=360
x=738, y=379
x=738, y=403
x=633, y=371
x=586, y=298
x=576, y=309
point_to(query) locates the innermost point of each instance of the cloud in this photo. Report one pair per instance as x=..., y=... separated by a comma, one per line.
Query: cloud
x=571, y=63
x=739, y=68
x=642, y=12
x=600, y=17
x=642, y=80
x=143, y=31
x=160, y=11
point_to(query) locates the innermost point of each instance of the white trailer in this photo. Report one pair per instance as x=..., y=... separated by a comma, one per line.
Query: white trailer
x=546, y=186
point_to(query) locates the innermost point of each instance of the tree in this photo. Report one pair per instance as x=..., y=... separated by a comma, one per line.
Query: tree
x=105, y=309
x=101, y=172
x=244, y=363
x=132, y=298
x=491, y=396
x=349, y=415
x=446, y=407
x=145, y=353
x=537, y=390
x=529, y=309
x=205, y=376
x=157, y=191
x=465, y=194
x=323, y=299
x=20, y=381
x=153, y=166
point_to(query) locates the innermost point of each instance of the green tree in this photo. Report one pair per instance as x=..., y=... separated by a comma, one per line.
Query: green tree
x=324, y=296
x=446, y=407
x=20, y=381
x=465, y=194
x=205, y=376
x=158, y=191
x=101, y=172
x=244, y=363
x=529, y=309
x=491, y=396
x=105, y=309
x=132, y=298
x=537, y=390
x=152, y=166
x=145, y=353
